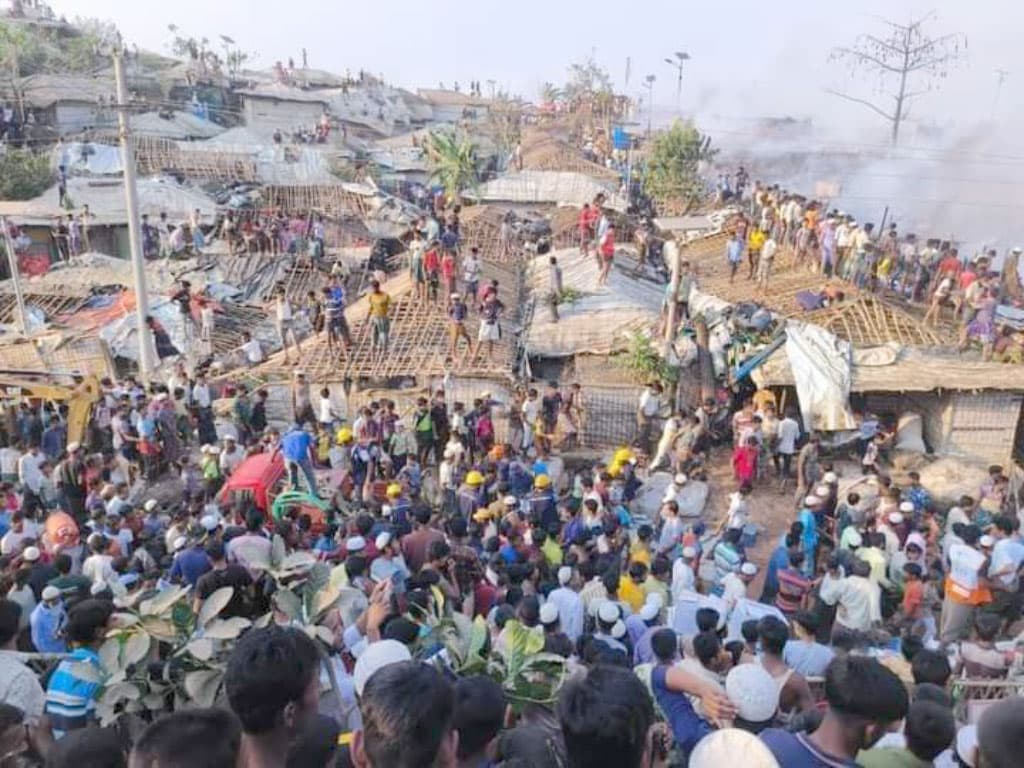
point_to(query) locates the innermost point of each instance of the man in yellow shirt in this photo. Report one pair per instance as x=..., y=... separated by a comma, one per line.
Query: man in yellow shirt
x=380, y=305
x=630, y=590
x=755, y=242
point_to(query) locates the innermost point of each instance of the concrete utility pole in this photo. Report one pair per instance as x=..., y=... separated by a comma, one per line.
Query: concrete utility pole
x=131, y=201
x=15, y=277
x=671, y=254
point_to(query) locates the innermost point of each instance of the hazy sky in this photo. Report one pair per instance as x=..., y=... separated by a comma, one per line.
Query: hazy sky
x=749, y=57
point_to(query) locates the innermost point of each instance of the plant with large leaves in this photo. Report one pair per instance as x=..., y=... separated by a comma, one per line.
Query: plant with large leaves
x=163, y=653
x=453, y=161
x=160, y=653
x=527, y=675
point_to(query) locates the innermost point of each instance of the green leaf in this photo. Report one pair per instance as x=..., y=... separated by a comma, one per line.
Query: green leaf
x=226, y=629
x=110, y=655
x=162, y=601
x=201, y=648
x=477, y=637
x=155, y=701
x=202, y=686
x=214, y=604
x=289, y=604
x=136, y=648
x=264, y=621
x=182, y=617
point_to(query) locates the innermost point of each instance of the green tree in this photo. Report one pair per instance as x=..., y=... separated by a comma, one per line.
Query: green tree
x=23, y=175
x=453, y=161
x=673, y=170
x=550, y=93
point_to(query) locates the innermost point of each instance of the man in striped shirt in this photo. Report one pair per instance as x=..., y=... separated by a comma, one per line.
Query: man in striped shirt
x=74, y=685
x=794, y=587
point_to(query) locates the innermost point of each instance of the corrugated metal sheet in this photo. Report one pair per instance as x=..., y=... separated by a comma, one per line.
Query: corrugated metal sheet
x=597, y=322
x=548, y=187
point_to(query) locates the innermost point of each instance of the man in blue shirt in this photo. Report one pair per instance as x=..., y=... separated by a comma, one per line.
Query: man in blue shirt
x=296, y=447
x=71, y=698
x=334, y=309
x=734, y=253
x=47, y=623
x=189, y=564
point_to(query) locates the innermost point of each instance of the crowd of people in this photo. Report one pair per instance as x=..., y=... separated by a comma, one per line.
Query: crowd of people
x=680, y=647
x=932, y=274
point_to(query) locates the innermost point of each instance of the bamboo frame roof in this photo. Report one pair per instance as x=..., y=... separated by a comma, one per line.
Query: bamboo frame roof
x=542, y=151
x=418, y=339
x=862, y=318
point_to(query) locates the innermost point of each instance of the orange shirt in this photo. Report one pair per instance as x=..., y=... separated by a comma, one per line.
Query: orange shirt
x=913, y=598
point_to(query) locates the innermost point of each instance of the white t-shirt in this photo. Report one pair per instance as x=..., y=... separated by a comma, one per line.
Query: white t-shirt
x=325, y=413
x=9, y=460
x=284, y=309
x=789, y=431
x=738, y=511
x=769, y=248
x=683, y=579
x=964, y=564
x=253, y=351
x=650, y=403
x=97, y=569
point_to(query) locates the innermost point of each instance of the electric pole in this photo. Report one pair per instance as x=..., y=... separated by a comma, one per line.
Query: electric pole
x=12, y=261
x=131, y=200
x=650, y=102
x=905, y=54
x=1001, y=75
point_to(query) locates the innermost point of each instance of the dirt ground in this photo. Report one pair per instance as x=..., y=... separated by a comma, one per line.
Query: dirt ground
x=770, y=508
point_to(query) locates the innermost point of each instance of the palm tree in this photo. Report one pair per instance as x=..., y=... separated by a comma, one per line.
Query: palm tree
x=453, y=161
x=550, y=93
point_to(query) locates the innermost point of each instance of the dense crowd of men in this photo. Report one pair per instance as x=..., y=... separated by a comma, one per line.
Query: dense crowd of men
x=870, y=604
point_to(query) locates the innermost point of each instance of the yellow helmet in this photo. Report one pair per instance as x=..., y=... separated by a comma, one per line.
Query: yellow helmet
x=474, y=478
x=541, y=481
x=394, y=489
x=344, y=436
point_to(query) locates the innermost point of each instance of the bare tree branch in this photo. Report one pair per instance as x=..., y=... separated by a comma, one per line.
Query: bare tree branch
x=855, y=100
x=904, y=50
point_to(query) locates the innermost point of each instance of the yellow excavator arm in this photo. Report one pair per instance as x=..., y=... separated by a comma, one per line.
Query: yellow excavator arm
x=80, y=399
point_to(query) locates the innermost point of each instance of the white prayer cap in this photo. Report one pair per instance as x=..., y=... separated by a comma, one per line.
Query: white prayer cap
x=618, y=630
x=895, y=518
x=608, y=612
x=564, y=575
x=830, y=477
x=732, y=746
x=548, y=613
x=811, y=500
x=355, y=544
x=179, y=543
x=680, y=479
x=150, y=505
x=377, y=655
x=906, y=506
x=50, y=593
x=382, y=540
x=748, y=569
x=754, y=692
x=823, y=491
x=31, y=554
x=689, y=553
x=649, y=612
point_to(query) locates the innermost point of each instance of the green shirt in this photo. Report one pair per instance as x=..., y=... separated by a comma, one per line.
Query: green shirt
x=891, y=757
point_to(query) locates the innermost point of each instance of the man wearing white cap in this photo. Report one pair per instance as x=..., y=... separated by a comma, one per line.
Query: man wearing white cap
x=734, y=586
x=47, y=623
x=568, y=603
x=375, y=657
x=684, y=579
x=389, y=563
x=609, y=622
x=732, y=746
x=808, y=517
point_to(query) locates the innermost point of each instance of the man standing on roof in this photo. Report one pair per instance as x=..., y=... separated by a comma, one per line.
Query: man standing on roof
x=380, y=305
x=490, y=326
x=734, y=254
x=606, y=252
x=297, y=449
x=457, y=311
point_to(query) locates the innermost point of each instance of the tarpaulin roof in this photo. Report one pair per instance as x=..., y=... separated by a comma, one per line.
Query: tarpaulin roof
x=598, y=321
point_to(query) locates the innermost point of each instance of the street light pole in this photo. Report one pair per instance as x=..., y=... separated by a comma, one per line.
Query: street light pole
x=677, y=64
x=131, y=200
x=650, y=102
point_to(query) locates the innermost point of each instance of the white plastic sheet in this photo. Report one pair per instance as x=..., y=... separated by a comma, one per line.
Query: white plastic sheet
x=821, y=365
